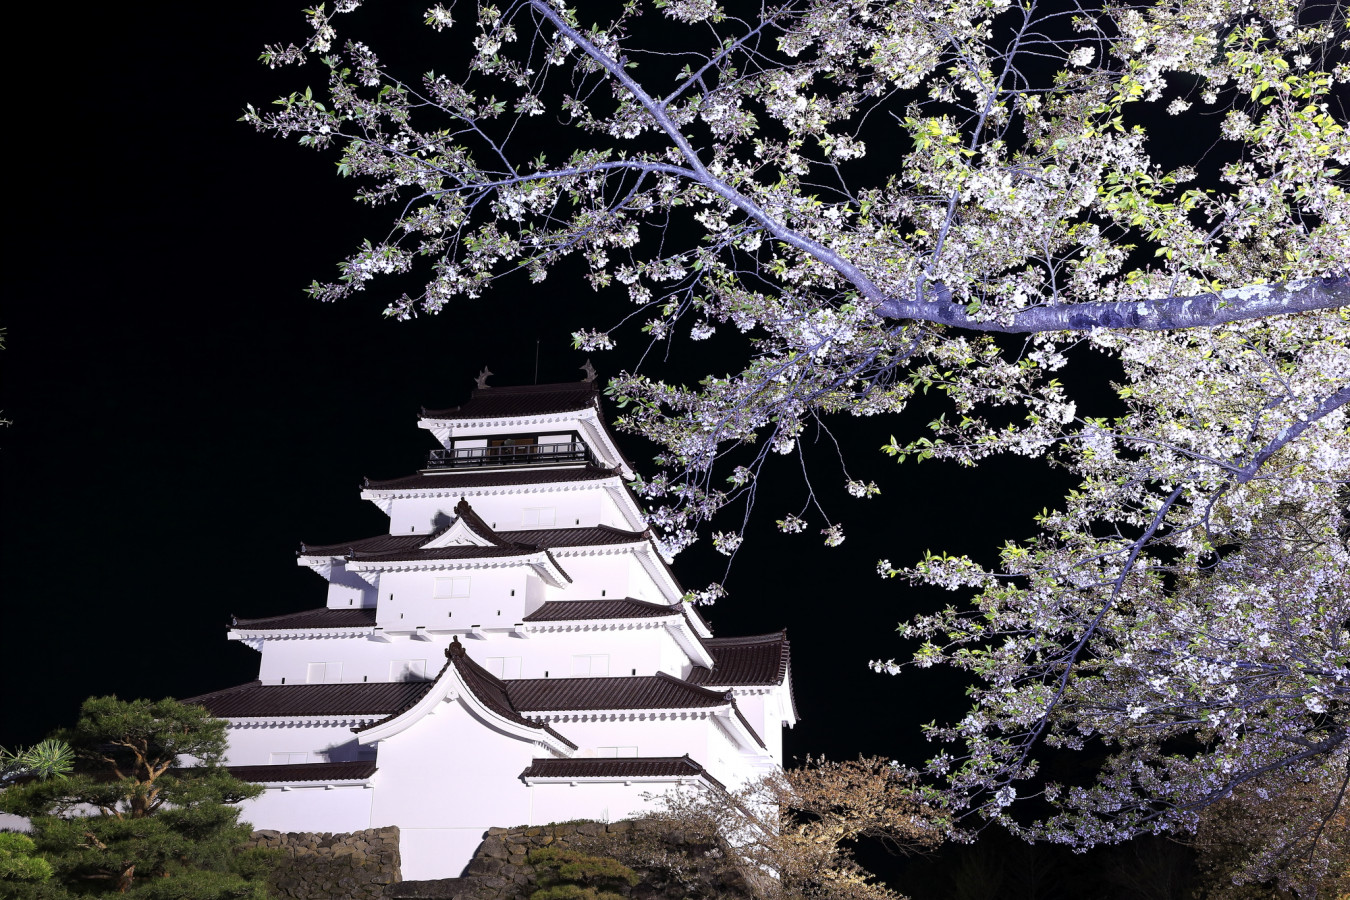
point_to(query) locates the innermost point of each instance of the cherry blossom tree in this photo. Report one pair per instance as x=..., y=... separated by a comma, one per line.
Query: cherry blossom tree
x=885, y=198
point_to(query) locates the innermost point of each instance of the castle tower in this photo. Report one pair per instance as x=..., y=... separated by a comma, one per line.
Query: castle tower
x=515, y=650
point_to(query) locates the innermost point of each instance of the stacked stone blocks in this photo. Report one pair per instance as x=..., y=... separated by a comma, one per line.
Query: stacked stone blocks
x=359, y=865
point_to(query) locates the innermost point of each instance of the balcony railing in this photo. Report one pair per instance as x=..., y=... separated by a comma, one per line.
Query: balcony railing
x=523, y=455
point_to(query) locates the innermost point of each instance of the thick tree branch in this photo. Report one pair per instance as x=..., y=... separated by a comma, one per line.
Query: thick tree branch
x=1164, y=314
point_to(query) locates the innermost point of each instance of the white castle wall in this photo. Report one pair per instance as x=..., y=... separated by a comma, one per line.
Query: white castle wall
x=347, y=590
x=496, y=598
x=255, y=745
x=360, y=659
x=602, y=573
x=468, y=779
x=626, y=651
x=505, y=509
x=313, y=808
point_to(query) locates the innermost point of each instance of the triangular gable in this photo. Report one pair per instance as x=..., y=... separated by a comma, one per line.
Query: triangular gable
x=483, y=694
x=468, y=530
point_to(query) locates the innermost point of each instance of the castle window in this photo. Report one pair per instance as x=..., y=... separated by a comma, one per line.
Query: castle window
x=452, y=588
x=503, y=666
x=537, y=517
x=590, y=664
x=323, y=673
x=286, y=758
x=408, y=670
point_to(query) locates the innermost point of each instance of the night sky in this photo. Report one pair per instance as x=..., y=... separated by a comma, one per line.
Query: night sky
x=184, y=415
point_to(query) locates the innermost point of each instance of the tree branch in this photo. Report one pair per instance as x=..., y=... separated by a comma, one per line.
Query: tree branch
x=1326, y=407
x=1163, y=314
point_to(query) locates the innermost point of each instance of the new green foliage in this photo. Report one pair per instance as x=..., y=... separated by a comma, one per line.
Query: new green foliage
x=17, y=862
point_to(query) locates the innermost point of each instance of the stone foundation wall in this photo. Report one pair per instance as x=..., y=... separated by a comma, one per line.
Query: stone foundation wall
x=360, y=865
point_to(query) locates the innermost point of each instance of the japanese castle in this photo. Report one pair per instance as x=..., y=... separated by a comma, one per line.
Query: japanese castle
x=515, y=650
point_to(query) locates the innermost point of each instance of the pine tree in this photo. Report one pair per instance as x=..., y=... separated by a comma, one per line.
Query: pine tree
x=147, y=811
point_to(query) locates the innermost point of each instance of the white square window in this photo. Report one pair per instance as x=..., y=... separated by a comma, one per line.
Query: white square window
x=452, y=588
x=287, y=758
x=591, y=664
x=537, y=517
x=503, y=666
x=408, y=670
x=323, y=673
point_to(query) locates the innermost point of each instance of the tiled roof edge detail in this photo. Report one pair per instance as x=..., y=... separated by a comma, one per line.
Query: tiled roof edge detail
x=255, y=700
x=452, y=479
x=635, y=693
x=617, y=768
x=583, y=610
x=323, y=617
x=323, y=771
x=760, y=659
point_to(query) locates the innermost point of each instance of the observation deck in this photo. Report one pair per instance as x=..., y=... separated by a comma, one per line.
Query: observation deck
x=568, y=452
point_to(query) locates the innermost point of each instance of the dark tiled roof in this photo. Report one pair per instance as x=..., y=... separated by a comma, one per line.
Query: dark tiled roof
x=311, y=618
x=256, y=700
x=578, y=610
x=456, y=552
x=626, y=767
x=451, y=480
x=381, y=543
x=757, y=659
x=574, y=537
x=326, y=771
x=658, y=691
x=389, y=548
x=522, y=400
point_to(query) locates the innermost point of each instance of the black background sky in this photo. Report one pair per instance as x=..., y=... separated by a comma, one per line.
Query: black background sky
x=183, y=415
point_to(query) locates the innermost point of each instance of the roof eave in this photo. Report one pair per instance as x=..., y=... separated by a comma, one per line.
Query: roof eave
x=681, y=631
x=692, y=778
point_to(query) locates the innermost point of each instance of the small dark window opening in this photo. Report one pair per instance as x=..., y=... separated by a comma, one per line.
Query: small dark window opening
x=513, y=592
x=635, y=671
x=283, y=681
x=602, y=593
x=349, y=602
x=367, y=677
x=400, y=615
x=545, y=674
